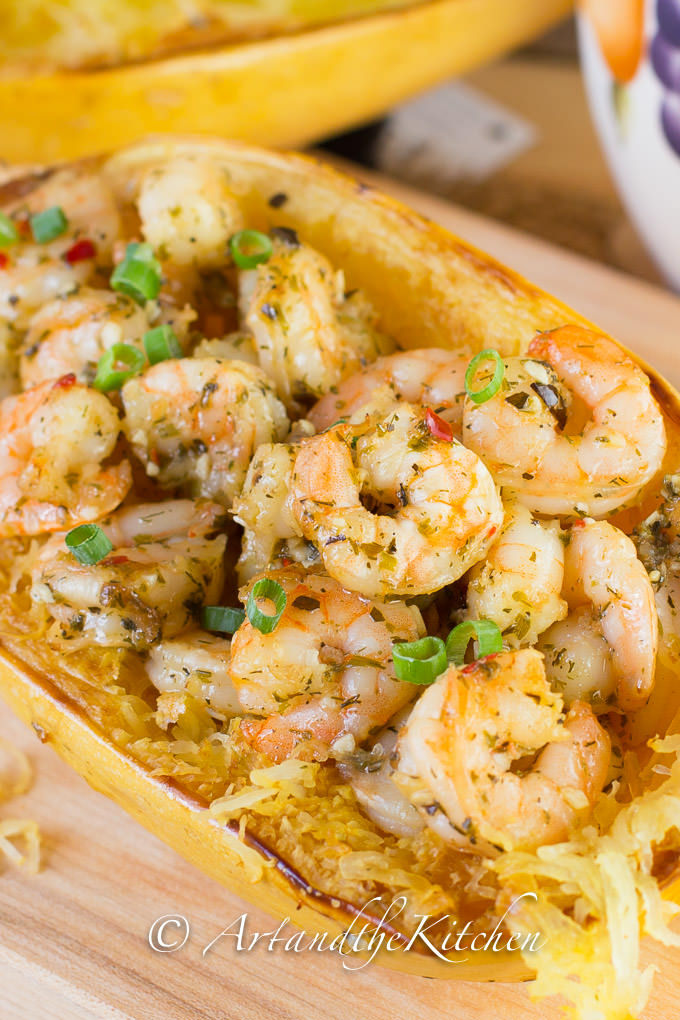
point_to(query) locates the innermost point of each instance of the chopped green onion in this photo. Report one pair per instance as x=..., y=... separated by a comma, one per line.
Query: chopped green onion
x=48, y=224
x=249, y=248
x=139, y=274
x=419, y=662
x=161, y=343
x=265, y=588
x=9, y=234
x=487, y=636
x=491, y=388
x=109, y=375
x=88, y=543
x=222, y=618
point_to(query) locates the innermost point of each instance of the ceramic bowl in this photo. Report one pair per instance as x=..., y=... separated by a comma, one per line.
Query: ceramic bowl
x=630, y=53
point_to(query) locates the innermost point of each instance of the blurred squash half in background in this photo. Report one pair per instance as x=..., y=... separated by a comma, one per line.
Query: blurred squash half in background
x=79, y=76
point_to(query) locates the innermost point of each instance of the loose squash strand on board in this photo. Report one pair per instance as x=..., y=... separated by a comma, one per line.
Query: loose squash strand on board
x=15, y=778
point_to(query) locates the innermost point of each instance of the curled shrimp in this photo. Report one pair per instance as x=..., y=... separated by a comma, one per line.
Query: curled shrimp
x=519, y=584
x=54, y=440
x=426, y=376
x=605, y=650
x=308, y=333
x=532, y=437
x=37, y=273
x=196, y=422
x=70, y=335
x=324, y=677
x=468, y=730
x=198, y=663
x=166, y=562
x=187, y=211
x=436, y=506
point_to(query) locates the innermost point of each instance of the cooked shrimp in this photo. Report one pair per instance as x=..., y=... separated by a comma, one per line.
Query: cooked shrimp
x=579, y=661
x=465, y=756
x=426, y=376
x=54, y=440
x=187, y=211
x=9, y=359
x=308, y=333
x=519, y=584
x=370, y=773
x=658, y=543
x=323, y=678
x=166, y=563
x=71, y=334
x=37, y=273
x=196, y=422
x=554, y=462
x=263, y=508
x=232, y=347
x=196, y=662
x=436, y=505
x=605, y=650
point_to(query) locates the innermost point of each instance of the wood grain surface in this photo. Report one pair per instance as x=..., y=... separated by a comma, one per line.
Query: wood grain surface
x=74, y=939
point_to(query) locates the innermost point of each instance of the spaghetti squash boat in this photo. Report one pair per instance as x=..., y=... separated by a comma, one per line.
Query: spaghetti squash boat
x=344, y=559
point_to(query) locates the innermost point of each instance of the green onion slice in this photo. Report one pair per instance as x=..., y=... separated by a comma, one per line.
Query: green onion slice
x=224, y=619
x=249, y=248
x=88, y=543
x=491, y=388
x=161, y=344
x=116, y=366
x=419, y=662
x=139, y=275
x=48, y=224
x=9, y=234
x=487, y=635
x=265, y=588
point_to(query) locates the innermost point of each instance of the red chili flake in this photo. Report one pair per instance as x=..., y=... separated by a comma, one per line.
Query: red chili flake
x=65, y=382
x=4, y=260
x=492, y=531
x=114, y=561
x=439, y=428
x=23, y=225
x=470, y=667
x=80, y=251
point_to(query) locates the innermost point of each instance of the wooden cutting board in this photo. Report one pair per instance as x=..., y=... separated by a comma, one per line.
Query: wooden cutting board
x=74, y=939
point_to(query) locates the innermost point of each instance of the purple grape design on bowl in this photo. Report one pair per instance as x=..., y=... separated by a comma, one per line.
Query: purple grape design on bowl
x=668, y=16
x=665, y=59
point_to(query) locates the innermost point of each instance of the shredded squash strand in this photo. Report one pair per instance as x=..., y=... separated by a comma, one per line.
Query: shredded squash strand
x=596, y=898
x=15, y=779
